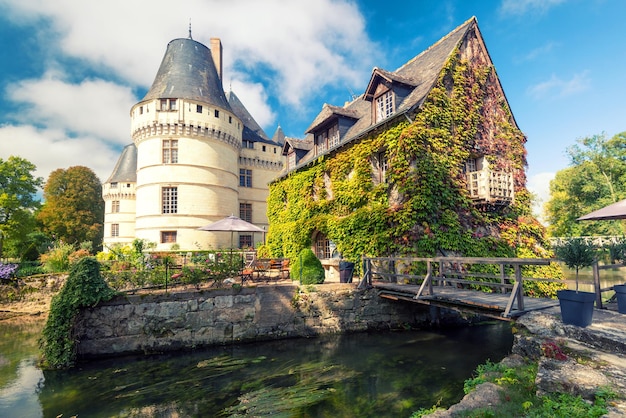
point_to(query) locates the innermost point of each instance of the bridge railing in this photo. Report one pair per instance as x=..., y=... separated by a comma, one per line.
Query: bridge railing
x=453, y=271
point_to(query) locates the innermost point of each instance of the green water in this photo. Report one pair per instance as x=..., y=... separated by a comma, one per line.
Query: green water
x=361, y=375
x=608, y=278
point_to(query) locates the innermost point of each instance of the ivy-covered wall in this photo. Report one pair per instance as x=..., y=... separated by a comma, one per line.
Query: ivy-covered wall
x=423, y=207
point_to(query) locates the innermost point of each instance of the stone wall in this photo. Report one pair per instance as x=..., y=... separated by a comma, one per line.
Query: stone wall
x=185, y=320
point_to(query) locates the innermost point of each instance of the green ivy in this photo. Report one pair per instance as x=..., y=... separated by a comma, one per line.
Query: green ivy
x=423, y=208
x=84, y=287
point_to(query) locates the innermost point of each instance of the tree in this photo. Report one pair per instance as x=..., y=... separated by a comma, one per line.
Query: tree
x=73, y=209
x=596, y=178
x=18, y=188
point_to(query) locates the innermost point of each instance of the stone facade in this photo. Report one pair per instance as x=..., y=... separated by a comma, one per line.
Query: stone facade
x=186, y=320
x=197, y=157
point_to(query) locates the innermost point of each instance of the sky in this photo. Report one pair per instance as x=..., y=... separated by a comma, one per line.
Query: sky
x=71, y=70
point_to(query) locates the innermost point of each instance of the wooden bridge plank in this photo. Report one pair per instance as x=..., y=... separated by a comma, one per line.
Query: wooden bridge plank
x=492, y=304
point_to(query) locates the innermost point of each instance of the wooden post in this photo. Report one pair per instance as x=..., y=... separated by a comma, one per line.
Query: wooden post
x=520, y=288
x=596, y=284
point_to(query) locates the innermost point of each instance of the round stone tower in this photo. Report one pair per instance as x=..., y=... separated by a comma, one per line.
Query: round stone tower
x=119, y=197
x=188, y=141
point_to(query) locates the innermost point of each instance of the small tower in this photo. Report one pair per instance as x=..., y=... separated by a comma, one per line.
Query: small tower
x=119, y=197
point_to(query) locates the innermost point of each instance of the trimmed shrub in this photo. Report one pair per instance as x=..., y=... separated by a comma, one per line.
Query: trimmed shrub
x=312, y=270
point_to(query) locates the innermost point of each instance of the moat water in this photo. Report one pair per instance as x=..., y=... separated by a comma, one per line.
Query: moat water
x=386, y=374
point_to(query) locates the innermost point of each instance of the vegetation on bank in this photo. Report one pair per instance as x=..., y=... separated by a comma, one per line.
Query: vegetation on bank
x=519, y=397
x=84, y=287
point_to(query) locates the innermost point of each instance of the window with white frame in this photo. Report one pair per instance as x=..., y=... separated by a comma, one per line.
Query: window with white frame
x=322, y=246
x=170, y=151
x=115, y=206
x=245, y=211
x=245, y=177
x=384, y=106
x=333, y=136
x=291, y=158
x=169, y=199
x=321, y=142
x=245, y=241
x=168, y=104
x=381, y=167
x=168, y=237
x=115, y=230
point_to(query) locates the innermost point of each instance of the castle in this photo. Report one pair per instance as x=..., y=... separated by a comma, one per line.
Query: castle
x=197, y=156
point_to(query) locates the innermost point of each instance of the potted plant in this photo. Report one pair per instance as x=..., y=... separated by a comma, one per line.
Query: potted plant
x=576, y=307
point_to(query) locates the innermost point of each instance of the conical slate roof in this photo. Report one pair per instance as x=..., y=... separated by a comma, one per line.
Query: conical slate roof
x=251, y=129
x=187, y=71
x=126, y=168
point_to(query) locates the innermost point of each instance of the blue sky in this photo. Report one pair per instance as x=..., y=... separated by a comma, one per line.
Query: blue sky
x=71, y=70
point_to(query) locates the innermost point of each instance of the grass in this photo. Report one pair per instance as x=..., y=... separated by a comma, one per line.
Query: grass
x=520, y=400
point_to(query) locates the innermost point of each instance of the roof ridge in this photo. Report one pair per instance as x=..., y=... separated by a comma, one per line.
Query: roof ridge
x=440, y=41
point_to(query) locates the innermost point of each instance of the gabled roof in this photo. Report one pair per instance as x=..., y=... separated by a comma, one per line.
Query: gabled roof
x=378, y=73
x=126, y=167
x=329, y=112
x=298, y=145
x=187, y=71
x=419, y=75
x=251, y=129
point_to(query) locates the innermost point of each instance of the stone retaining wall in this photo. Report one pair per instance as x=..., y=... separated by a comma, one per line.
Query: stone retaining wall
x=185, y=320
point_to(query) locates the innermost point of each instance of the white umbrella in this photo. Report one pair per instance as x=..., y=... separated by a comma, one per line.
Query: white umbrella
x=232, y=224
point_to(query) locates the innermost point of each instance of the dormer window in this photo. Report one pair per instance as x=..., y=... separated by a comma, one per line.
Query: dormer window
x=291, y=159
x=327, y=138
x=168, y=104
x=384, y=106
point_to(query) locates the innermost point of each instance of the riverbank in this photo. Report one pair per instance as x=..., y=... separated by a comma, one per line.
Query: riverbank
x=31, y=297
x=570, y=360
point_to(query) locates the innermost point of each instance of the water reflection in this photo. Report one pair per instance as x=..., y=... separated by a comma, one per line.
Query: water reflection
x=608, y=278
x=19, y=376
x=358, y=375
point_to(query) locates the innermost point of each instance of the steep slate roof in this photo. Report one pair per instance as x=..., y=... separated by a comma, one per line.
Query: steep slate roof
x=187, y=71
x=126, y=168
x=420, y=74
x=279, y=136
x=251, y=129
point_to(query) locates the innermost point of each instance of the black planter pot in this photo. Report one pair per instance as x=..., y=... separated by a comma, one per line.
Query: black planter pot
x=576, y=307
x=620, y=295
x=346, y=269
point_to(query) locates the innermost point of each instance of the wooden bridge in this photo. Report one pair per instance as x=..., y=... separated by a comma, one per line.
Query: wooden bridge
x=451, y=282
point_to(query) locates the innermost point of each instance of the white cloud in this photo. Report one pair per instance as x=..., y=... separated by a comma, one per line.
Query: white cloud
x=539, y=186
x=93, y=107
x=305, y=44
x=520, y=7
x=50, y=149
x=540, y=51
x=275, y=52
x=557, y=87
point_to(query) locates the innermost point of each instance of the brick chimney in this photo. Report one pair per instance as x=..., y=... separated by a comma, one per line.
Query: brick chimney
x=216, y=53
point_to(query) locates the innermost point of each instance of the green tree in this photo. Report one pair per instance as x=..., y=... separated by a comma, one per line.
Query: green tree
x=73, y=209
x=596, y=178
x=18, y=188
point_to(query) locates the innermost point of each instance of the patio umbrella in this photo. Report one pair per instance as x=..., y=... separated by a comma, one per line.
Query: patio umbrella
x=232, y=224
x=607, y=213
